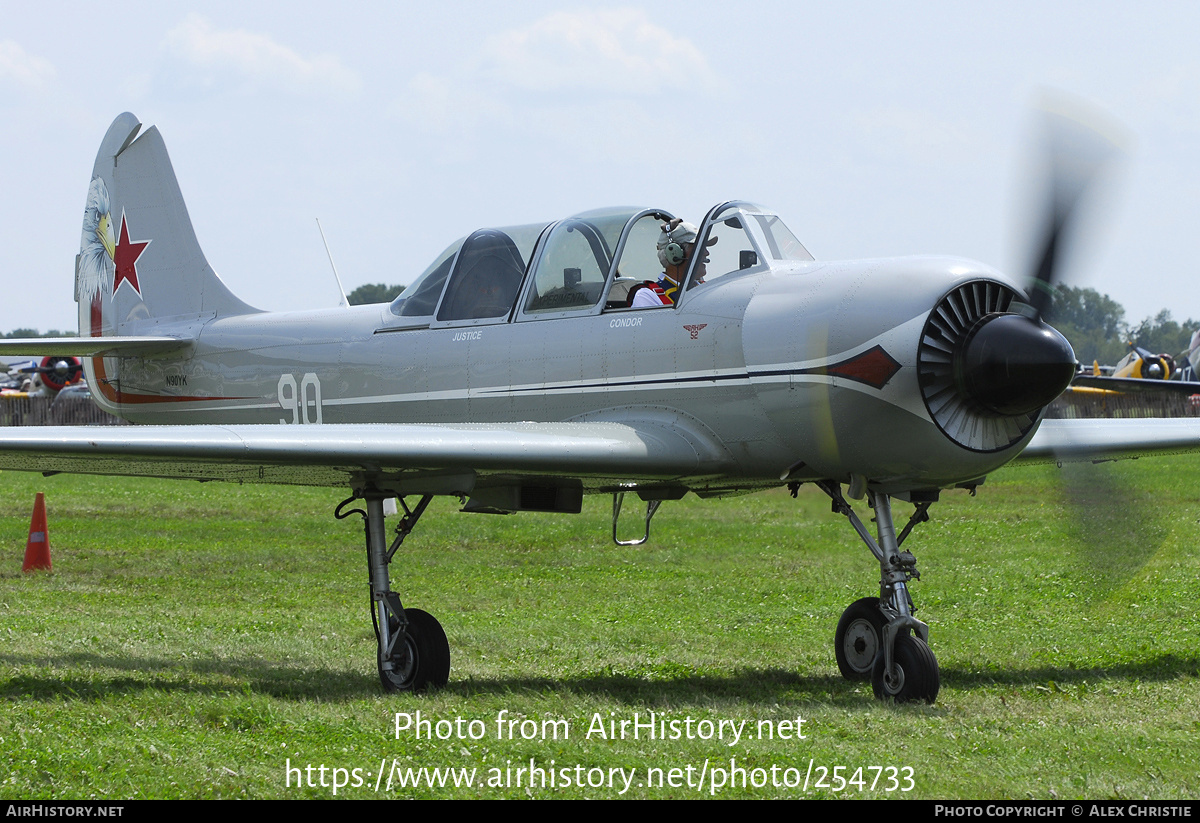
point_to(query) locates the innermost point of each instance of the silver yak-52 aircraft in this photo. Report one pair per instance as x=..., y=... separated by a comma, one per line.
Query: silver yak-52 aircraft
x=515, y=374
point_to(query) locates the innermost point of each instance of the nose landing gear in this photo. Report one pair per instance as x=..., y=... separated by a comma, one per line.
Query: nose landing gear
x=878, y=639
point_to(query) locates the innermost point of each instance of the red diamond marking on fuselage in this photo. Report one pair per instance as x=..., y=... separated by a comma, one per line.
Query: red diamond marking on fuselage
x=874, y=367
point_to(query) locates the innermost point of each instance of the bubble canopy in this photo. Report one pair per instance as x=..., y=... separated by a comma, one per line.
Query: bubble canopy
x=587, y=263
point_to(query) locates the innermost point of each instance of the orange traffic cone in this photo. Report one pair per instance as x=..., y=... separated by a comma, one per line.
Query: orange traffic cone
x=37, y=550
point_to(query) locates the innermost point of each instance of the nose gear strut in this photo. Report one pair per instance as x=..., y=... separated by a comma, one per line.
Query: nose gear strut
x=875, y=637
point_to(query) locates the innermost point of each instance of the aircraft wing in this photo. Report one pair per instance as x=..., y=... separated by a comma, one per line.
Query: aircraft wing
x=1135, y=384
x=426, y=458
x=1111, y=439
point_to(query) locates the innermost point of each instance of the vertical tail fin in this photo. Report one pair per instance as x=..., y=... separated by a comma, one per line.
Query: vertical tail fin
x=138, y=257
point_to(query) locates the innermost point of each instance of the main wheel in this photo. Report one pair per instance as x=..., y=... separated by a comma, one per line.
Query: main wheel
x=421, y=658
x=916, y=676
x=858, y=638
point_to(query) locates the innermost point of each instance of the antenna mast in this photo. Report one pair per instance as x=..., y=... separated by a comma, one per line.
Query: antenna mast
x=341, y=290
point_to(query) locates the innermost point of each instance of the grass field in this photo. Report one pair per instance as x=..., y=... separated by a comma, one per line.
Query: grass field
x=197, y=640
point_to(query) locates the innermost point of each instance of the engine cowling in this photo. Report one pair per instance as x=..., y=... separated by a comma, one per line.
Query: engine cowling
x=59, y=372
x=987, y=372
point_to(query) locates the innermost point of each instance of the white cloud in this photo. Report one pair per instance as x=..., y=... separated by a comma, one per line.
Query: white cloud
x=24, y=70
x=616, y=51
x=257, y=58
x=575, y=79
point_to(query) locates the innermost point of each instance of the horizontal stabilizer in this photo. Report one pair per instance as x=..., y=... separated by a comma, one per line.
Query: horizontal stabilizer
x=95, y=346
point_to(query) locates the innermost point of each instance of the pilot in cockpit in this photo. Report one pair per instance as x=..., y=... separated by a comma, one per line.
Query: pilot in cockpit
x=676, y=246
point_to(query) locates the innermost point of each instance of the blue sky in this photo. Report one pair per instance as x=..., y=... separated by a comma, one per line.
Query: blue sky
x=874, y=129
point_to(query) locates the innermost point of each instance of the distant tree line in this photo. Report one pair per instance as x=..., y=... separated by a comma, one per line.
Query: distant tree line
x=17, y=334
x=373, y=293
x=1095, y=325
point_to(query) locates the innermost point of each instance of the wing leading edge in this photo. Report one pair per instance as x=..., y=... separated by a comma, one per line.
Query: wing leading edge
x=1103, y=439
x=606, y=454
x=452, y=458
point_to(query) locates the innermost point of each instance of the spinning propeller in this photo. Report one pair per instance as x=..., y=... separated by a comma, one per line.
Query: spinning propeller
x=1113, y=543
x=1012, y=362
x=987, y=362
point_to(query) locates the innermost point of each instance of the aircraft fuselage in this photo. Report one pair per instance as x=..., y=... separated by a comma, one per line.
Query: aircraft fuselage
x=747, y=365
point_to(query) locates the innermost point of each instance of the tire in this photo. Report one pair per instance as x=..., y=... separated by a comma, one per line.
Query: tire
x=917, y=675
x=858, y=639
x=422, y=660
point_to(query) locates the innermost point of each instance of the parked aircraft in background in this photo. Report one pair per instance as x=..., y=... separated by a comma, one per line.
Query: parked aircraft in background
x=1143, y=371
x=1191, y=368
x=1145, y=365
x=43, y=378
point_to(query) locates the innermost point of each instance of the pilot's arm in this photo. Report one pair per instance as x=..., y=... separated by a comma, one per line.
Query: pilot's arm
x=650, y=296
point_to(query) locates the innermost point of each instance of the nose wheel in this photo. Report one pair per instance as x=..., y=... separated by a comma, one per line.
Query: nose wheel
x=859, y=638
x=914, y=676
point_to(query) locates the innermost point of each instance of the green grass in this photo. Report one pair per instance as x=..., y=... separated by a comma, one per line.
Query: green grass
x=193, y=639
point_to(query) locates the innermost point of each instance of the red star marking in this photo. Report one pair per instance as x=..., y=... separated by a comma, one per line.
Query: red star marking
x=125, y=257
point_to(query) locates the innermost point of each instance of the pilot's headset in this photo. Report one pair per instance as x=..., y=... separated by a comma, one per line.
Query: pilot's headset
x=675, y=235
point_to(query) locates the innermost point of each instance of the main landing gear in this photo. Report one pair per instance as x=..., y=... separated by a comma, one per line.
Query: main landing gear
x=414, y=654
x=875, y=637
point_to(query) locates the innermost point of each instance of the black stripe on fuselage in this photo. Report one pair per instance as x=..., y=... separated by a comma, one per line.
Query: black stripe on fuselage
x=668, y=381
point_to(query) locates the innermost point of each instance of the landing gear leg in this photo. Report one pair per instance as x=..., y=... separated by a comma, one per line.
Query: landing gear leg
x=875, y=638
x=414, y=654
